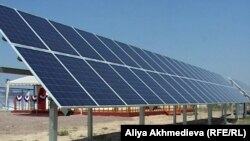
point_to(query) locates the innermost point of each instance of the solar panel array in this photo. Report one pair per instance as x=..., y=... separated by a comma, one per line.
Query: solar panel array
x=242, y=86
x=81, y=69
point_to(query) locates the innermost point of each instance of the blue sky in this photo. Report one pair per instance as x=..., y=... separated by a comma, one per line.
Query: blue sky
x=212, y=34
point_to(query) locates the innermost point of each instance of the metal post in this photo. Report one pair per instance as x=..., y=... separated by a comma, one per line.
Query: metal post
x=142, y=116
x=184, y=114
x=225, y=113
x=245, y=110
x=174, y=114
x=196, y=113
x=236, y=111
x=53, y=121
x=90, y=124
x=222, y=110
x=209, y=114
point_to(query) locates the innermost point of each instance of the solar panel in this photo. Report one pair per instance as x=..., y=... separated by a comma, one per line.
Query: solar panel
x=148, y=94
x=82, y=69
x=96, y=87
x=243, y=87
x=148, y=59
x=118, y=51
x=134, y=56
x=153, y=85
x=48, y=34
x=99, y=47
x=125, y=90
x=57, y=80
x=16, y=29
x=82, y=47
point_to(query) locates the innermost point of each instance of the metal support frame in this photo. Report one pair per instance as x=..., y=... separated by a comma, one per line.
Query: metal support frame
x=196, y=113
x=209, y=114
x=237, y=111
x=142, y=116
x=225, y=113
x=53, y=121
x=222, y=110
x=184, y=114
x=174, y=114
x=245, y=111
x=90, y=124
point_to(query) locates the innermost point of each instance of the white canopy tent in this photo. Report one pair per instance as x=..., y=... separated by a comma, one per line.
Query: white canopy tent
x=24, y=81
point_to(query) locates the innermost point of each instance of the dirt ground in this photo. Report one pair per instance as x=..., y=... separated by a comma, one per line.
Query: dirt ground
x=17, y=127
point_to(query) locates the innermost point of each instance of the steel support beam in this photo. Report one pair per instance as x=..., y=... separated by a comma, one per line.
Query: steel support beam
x=184, y=114
x=196, y=113
x=209, y=114
x=174, y=114
x=90, y=124
x=53, y=124
x=142, y=116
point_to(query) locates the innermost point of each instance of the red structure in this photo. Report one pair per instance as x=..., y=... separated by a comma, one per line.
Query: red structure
x=42, y=99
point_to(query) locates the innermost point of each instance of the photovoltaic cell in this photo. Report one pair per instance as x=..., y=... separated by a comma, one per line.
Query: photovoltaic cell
x=242, y=85
x=147, y=59
x=91, y=81
x=167, y=67
x=59, y=82
x=164, y=95
x=177, y=86
x=190, y=90
x=118, y=51
x=168, y=87
x=48, y=34
x=76, y=41
x=135, y=56
x=140, y=87
x=199, y=91
x=205, y=91
x=186, y=67
x=180, y=69
x=99, y=47
x=169, y=62
x=157, y=60
x=115, y=81
x=16, y=29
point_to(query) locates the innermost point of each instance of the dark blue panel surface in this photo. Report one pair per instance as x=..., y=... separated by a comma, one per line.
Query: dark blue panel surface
x=138, y=85
x=167, y=67
x=198, y=91
x=190, y=90
x=48, y=34
x=235, y=94
x=169, y=62
x=59, y=82
x=76, y=41
x=151, y=62
x=205, y=91
x=212, y=92
x=99, y=47
x=135, y=56
x=196, y=72
x=115, y=81
x=164, y=95
x=16, y=29
x=181, y=69
x=158, y=61
x=183, y=89
x=177, y=86
x=203, y=74
x=94, y=85
x=190, y=70
x=168, y=87
x=118, y=51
